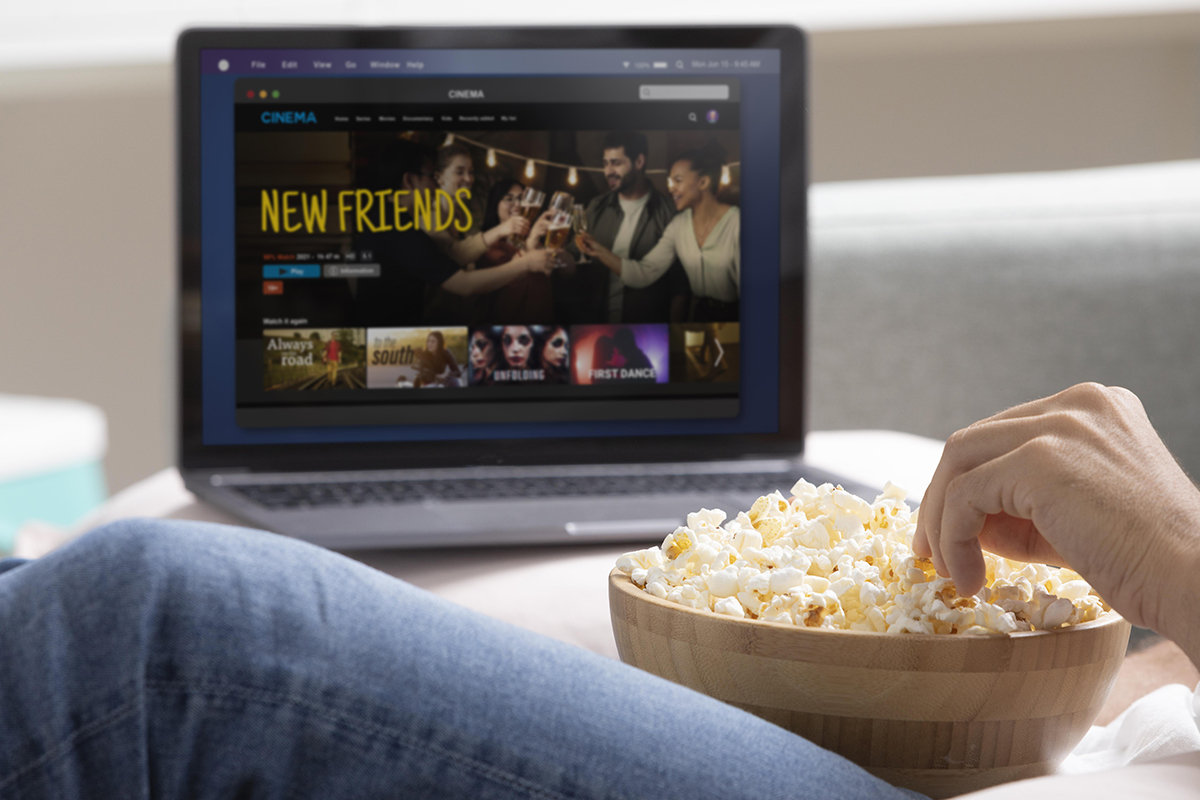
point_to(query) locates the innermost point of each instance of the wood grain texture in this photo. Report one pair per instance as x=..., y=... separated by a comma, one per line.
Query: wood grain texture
x=942, y=715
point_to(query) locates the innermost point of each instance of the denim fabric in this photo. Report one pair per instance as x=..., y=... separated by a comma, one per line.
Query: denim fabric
x=186, y=660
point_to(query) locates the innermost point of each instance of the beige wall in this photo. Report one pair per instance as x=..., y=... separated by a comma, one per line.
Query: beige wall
x=1004, y=98
x=87, y=265
x=86, y=169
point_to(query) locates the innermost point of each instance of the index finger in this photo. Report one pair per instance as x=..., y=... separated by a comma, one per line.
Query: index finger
x=966, y=450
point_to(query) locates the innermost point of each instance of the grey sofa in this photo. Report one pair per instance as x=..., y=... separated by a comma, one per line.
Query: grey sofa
x=939, y=301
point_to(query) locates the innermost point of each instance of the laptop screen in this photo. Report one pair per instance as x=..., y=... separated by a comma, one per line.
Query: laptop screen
x=433, y=245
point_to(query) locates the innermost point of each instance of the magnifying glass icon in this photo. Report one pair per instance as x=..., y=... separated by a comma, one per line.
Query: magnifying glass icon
x=691, y=116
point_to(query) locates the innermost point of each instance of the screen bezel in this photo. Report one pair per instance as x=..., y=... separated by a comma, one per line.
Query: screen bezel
x=793, y=190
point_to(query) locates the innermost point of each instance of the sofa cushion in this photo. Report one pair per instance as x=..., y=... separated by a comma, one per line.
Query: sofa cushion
x=939, y=301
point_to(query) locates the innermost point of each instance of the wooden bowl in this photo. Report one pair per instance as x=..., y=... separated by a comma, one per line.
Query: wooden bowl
x=942, y=715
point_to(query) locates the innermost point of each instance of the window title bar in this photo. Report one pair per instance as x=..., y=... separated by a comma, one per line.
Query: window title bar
x=479, y=90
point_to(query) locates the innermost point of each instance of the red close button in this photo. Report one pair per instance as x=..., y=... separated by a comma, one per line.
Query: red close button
x=272, y=287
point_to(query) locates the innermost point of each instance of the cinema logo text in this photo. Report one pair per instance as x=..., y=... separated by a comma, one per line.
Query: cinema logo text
x=289, y=118
x=292, y=211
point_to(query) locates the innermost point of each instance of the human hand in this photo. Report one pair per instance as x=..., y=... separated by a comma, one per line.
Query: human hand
x=537, y=234
x=540, y=261
x=1079, y=479
x=515, y=226
x=589, y=245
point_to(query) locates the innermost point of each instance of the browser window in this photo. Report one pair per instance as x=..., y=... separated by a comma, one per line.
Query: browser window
x=458, y=243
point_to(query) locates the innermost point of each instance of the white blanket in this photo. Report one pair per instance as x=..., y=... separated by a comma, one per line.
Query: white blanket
x=1150, y=752
x=1160, y=725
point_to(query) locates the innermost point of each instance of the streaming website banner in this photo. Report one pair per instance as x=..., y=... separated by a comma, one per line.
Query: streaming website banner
x=557, y=261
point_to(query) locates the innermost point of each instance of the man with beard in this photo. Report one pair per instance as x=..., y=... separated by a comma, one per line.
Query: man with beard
x=629, y=218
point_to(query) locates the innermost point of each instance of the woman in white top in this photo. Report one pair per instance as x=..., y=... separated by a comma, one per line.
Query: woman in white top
x=705, y=237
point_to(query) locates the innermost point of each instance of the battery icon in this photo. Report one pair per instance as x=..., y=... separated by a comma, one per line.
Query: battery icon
x=660, y=65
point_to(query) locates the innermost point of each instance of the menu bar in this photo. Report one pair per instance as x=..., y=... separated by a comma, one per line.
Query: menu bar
x=489, y=62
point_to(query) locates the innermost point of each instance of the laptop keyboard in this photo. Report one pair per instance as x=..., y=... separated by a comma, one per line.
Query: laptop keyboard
x=312, y=495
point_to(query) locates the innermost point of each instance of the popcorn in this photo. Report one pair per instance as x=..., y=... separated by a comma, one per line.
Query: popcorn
x=826, y=558
x=729, y=607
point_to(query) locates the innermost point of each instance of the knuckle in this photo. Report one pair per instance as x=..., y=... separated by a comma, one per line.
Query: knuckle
x=957, y=441
x=963, y=491
x=1067, y=424
x=957, y=454
x=1089, y=393
x=1125, y=397
x=1041, y=451
x=958, y=490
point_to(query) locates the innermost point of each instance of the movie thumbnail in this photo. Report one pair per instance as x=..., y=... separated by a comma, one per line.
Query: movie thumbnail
x=520, y=354
x=416, y=358
x=706, y=352
x=313, y=358
x=619, y=354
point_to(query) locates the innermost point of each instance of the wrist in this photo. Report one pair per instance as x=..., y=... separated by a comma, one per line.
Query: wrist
x=1178, y=609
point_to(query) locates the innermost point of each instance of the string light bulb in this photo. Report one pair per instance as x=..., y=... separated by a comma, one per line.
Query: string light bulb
x=491, y=157
x=449, y=140
x=529, y=168
x=726, y=178
x=572, y=176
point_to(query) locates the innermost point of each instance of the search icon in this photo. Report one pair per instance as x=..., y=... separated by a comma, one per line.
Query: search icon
x=678, y=65
x=691, y=116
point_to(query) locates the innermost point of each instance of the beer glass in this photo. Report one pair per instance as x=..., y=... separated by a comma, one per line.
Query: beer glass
x=531, y=207
x=561, y=205
x=579, y=221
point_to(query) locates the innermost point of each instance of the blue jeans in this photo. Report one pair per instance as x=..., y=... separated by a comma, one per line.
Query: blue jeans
x=185, y=660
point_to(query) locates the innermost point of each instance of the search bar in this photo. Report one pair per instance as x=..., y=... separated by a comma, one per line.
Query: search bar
x=685, y=92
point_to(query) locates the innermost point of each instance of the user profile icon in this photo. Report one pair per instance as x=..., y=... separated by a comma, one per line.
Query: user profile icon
x=712, y=115
x=223, y=65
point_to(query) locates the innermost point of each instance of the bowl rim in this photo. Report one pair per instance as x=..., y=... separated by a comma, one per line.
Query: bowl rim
x=624, y=583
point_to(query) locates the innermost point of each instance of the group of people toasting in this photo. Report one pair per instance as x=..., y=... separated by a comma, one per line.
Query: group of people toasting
x=637, y=254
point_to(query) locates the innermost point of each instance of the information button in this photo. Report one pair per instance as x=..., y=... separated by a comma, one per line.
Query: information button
x=351, y=270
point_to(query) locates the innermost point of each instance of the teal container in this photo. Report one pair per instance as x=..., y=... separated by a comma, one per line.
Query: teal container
x=60, y=497
x=51, y=456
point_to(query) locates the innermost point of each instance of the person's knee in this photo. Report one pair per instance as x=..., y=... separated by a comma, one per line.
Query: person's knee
x=219, y=590
x=168, y=584
x=105, y=595
x=155, y=546
x=147, y=562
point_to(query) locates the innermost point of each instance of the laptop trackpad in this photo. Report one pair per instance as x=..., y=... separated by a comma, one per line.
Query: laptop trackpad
x=651, y=517
x=622, y=527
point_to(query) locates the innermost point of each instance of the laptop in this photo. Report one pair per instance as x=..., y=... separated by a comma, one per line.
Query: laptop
x=480, y=286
